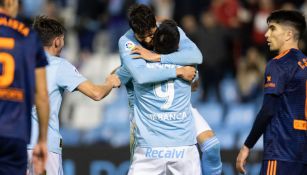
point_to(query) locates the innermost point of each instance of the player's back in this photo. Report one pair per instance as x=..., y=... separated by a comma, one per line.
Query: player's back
x=285, y=137
x=61, y=76
x=162, y=112
x=20, y=54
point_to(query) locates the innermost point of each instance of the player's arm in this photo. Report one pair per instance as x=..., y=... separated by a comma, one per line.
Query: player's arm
x=142, y=74
x=70, y=79
x=40, y=151
x=187, y=54
x=98, y=92
x=42, y=106
x=123, y=74
x=267, y=111
x=42, y=102
x=275, y=83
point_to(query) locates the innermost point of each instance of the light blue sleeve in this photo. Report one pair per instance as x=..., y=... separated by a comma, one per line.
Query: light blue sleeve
x=187, y=54
x=137, y=67
x=68, y=76
x=123, y=74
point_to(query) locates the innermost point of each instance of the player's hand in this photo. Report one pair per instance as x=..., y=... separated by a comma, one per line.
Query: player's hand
x=186, y=72
x=40, y=154
x=113, y=80
x=241, y=159
x=145, y=54
x=114, y=70
x=195, y=85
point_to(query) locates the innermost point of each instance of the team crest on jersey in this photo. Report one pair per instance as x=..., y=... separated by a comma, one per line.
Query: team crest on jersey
x=129, y=45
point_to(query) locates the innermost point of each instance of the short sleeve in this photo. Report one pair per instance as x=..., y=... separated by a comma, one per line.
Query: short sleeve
x=69, y=77
x=123, y=74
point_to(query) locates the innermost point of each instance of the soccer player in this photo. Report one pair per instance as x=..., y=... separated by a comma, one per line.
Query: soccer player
x=166, y=41
x=61, y=75
x=138, y=15
x=22, y=82
x=283, y=116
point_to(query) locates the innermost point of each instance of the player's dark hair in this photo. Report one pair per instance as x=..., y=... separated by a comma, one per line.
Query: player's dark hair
x=48, y=29
x=1, y=3
x=292, y=18
x=141, y=19
x=166, y=39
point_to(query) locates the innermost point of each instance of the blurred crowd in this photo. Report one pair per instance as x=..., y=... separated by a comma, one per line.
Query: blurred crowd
x=229, y=33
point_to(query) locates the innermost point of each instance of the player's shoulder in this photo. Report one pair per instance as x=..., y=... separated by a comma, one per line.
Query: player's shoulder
x=129, y=35
x=55, y=60
x=286, y=61
x=289, y=57
x=127, y=42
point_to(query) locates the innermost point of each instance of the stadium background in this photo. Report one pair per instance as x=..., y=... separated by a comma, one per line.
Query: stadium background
x=230, y=33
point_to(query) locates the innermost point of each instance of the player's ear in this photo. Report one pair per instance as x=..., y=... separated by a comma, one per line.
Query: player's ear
x=289, y=34
x=56, y=42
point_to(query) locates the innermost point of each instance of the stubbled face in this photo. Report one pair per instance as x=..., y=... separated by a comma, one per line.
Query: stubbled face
x=276, y=36
x=147, y=40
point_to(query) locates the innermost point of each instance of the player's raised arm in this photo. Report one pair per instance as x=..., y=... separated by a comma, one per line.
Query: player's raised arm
x=187, y=53
x=141, y=73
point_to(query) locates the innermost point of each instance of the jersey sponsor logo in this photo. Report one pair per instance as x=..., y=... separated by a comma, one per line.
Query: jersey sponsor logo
x=168, y=116
x=12, y=94
x=303, y=63
x=129, y=45
x=300, y=125
x=269, y=83
x=170, y=153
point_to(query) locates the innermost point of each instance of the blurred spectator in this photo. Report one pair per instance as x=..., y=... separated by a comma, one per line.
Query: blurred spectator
x=117, y=23
x=250, y=74
x=260, y=24
x=190, y=26
x=304, y=8
x=288, y=6
x=184, y=7
x=31, y=8
x=211, y=39
x=226, y=12
x=51, y=9
x=90, y=18
x=164, y=9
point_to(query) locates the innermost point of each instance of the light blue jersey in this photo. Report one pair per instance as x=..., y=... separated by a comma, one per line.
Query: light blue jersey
x=162, y=110
x=61, y=75
x=187, y=54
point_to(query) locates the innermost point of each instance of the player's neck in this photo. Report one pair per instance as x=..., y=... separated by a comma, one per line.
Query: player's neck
x=288, y=46
x=3, y=11
x=50, y=50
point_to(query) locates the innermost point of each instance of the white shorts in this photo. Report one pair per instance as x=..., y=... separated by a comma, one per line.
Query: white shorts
x=201, y=124
x=53, y=165
x=182, y=160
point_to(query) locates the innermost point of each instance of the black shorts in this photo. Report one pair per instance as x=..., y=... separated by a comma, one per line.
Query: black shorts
x=13, y=156
x=277, y=167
